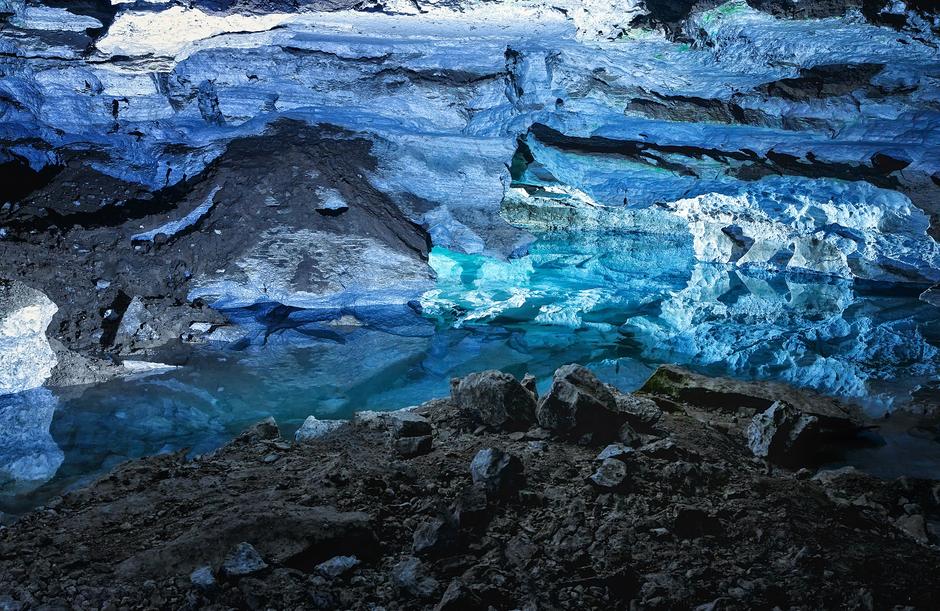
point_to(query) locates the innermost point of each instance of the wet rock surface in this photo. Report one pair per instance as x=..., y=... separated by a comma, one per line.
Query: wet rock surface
x=343, y=521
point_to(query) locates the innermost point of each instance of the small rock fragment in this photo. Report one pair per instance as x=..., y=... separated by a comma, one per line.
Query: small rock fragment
x=266, y=429
x=610, y=474
x=203, y=578
x=663, y=449
x=500, y=473
x=408, y=424
x=409, y=576
x=471, y=506
x=915, y=526
x=410, y=447
x=434, y=536
x=615, y=450
x=530, y=384
x=243, y=560
x=641, y=412
x=458, y=597
x=628, y=436
x=337, y=566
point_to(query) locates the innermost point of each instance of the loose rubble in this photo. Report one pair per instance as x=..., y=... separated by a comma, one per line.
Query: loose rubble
x=706, y=510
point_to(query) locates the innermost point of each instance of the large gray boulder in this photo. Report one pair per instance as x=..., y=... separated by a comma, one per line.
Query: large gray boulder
x=578, y=403
x=496, y=399
x=26, y=358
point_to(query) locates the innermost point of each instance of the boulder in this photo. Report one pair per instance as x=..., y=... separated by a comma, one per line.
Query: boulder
x=728, y=397
x=783, y=434
x=610, y=475
x=26, y=358
x=498, y=472
x=578, y=403
x=243, y=560
x=495, y=399
x=314, y=428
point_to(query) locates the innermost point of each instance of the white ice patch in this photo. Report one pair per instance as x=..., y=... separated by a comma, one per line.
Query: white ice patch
x=147, y=367
x=331, y=200
x=26, y=358
x=167, y=33
x=843, y=229
x=50, y=18
x=313, y=269
x=174, y=227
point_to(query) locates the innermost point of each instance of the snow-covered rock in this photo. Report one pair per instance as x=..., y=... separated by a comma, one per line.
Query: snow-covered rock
x=314, y=428
x=26, y=358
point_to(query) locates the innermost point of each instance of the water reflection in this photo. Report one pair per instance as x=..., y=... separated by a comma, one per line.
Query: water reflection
x=28, y=455
x=656, y=304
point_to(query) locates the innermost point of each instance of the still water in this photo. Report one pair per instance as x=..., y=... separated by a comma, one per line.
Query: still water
x=620, y=303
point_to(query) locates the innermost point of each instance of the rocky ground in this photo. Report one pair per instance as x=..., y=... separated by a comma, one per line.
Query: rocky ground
x=284, y=217
x=693, y=493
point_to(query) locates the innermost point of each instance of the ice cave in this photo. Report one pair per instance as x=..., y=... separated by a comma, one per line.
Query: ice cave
x=469, y=304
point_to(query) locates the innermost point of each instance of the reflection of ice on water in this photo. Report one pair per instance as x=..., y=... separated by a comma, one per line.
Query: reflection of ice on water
x=28, y=455
x=811, y=331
